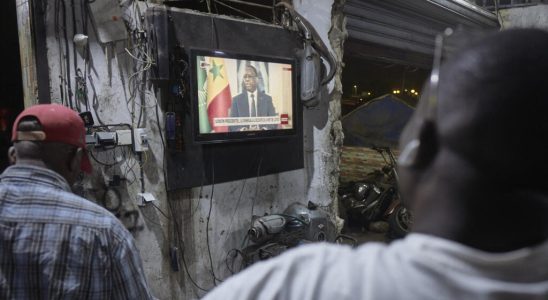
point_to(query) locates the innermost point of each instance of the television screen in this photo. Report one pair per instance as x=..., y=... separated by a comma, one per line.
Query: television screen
x=238, y=97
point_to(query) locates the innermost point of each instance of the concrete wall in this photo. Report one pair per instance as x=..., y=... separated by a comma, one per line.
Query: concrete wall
x=529, y=16
x=26, y=52
x=199, y=222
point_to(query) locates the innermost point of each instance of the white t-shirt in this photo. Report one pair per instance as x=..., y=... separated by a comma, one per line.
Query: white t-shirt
x=420, y=267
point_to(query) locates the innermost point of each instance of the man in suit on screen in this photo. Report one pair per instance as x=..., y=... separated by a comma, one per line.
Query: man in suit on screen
x=252, y=102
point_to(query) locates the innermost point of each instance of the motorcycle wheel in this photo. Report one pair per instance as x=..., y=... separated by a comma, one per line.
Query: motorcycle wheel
x=400, y=222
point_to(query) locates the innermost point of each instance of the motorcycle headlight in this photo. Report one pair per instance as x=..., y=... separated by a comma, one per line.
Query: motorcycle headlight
x=361, y=190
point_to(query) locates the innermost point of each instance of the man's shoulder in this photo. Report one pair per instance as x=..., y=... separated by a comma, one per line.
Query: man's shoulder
x=46, y=204
x=86, y=212
x=264, y=95
x=239, y=97
x=302, y=271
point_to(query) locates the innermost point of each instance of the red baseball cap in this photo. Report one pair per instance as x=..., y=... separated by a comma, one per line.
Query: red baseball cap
x=59, y=124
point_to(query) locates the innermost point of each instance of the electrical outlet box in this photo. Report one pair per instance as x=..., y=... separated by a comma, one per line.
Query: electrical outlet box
x=123, y=137
x=106, y=138
x=90, y=139
x=141, y=139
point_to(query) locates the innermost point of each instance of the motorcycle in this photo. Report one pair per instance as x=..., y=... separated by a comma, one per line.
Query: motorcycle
x=377, y=198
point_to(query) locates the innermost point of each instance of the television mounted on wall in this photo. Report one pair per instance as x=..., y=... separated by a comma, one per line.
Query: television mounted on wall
x=239, y=97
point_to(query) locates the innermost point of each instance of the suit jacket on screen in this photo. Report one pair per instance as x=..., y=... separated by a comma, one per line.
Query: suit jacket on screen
x=240, y=108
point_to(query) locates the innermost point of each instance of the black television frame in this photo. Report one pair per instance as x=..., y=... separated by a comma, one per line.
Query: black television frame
x=239, y=136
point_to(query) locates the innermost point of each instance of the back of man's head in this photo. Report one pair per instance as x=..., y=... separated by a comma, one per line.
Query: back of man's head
x=493, y=106
x=473, y=164
x=52, y=136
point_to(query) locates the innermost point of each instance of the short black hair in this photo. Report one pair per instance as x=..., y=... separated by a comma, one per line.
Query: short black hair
x=252, y=68
x=493, y=103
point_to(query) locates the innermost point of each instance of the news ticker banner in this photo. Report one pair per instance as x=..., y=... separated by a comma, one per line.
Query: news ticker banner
x=282, y=119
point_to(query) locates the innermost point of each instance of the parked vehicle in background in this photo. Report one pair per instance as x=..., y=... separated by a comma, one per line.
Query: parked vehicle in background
x=377, y=198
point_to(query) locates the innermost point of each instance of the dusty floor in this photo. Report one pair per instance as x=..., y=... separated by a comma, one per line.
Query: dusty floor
x=363, y=236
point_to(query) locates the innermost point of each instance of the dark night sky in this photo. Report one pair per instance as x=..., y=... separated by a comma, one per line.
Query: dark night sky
x=380, y=78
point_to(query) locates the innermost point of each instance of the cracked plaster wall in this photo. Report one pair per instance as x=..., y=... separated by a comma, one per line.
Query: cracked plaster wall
x=524, y=17
x=180, y=219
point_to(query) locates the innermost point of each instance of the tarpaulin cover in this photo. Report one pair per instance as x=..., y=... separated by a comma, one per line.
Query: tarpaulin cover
x=377, y=123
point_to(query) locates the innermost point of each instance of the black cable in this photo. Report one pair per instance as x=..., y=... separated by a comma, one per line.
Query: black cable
x=207, y=235
x=237, y=205
x=237, y=251
x=160, y=127
x=182, y=246
x=67, y=54
x=257, y=183
x=75, y=58
x=58, y=38
x=155, y=206
x=174, y=218
x=84, y=15
x=215, y=279
x=141, y=171
x=150, y=220
x=112, y=125
x=179, y=241
x=214, y=32
x=100, y=162
x=293, y=218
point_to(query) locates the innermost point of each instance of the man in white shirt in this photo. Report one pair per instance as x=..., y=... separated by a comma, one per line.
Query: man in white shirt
x=474, y=169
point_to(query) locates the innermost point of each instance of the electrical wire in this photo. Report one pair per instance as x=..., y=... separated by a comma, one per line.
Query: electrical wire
x=164, y=214
x=85, y=17
x=215, y=279
x=66, y=54
x=100, y=162
x=149, y=219
x=257, y=184
x=173, y=218
x=240, y=11
x=214, y=32
x=236, y=209
x=182, y=246
x=75, y=58
x=237, y=251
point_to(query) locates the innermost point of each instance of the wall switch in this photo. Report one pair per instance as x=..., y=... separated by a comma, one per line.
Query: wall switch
x=140, y=138
x=123, y=137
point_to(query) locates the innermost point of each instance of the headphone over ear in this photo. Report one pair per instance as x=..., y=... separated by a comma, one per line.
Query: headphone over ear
x=420, y=151
x=12, y=155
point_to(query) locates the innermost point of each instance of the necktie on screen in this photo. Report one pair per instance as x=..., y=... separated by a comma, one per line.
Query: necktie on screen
x=253, y=111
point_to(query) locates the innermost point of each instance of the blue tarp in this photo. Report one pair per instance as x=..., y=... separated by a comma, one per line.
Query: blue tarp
x=377, y=123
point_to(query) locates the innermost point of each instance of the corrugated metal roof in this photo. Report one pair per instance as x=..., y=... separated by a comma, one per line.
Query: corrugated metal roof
x=405, y=29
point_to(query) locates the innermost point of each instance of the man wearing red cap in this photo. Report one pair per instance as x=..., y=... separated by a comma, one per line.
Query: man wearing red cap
x=53, y=243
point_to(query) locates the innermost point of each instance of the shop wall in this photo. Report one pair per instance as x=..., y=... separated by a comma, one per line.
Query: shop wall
x=201, y=224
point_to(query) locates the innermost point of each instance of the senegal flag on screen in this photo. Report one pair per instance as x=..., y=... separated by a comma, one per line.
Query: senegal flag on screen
x=214, y=93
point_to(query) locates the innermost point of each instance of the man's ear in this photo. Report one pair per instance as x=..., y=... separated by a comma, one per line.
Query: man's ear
x=12, y=157
x=420, y=151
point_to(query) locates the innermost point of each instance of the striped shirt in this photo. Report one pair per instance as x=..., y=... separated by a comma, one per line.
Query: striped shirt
x=55, y=244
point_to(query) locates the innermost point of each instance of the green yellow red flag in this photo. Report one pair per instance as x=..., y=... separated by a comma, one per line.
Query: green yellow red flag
x=219, y=99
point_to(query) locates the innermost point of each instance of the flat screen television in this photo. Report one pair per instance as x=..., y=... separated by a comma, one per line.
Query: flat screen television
x=239, y=97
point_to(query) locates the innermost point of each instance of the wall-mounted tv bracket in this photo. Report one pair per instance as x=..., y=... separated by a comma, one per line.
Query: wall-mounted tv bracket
x=309, y=57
